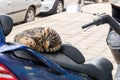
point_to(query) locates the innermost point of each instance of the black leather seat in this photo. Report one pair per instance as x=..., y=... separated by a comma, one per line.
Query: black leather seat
x=97, y=68
x=68, y=57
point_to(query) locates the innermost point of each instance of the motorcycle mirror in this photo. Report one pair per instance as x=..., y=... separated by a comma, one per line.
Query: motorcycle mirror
x=76, y=8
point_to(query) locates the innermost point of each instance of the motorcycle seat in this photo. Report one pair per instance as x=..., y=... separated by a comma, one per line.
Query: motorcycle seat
x=98, y=68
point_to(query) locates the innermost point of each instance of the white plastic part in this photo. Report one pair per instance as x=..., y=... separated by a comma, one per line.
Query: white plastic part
x=73, y=8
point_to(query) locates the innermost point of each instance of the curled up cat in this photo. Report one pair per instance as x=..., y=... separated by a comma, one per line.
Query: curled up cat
x=40, y=39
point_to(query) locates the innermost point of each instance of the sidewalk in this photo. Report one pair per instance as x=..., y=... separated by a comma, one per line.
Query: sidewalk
x=92, y=43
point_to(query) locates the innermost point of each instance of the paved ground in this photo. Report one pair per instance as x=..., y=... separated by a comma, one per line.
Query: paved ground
x=92, y=43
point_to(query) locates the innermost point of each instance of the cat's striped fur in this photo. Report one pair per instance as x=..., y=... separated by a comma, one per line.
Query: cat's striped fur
x=40, y=39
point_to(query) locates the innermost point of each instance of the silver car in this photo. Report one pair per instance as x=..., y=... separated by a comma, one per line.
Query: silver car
x=55, y=6
x=20, y=10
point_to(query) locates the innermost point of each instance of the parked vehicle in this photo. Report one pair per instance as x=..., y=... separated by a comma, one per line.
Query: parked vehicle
x=20, y=10
x=113, y=38
x=55, y=6
x=19, y=62
x=95, y=1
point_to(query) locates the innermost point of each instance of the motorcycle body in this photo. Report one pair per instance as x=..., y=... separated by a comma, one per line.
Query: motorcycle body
x=113, y=40
x=113, y=37
x=18, y=62
x=66, y=64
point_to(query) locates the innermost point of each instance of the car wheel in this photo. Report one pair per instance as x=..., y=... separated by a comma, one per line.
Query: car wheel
x=30, y=15
x=59, y=7
x=98, y=1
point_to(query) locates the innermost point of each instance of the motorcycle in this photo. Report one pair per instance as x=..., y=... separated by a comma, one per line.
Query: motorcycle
x=18, y=62
x=113, y=36
x=66, y=64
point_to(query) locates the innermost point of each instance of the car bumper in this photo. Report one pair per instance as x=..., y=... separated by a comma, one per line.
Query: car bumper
x=38, y=7
x=46, y=6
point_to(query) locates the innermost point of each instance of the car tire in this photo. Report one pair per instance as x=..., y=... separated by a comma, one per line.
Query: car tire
x=58, y=8
x=30, y=15
x=98, y=1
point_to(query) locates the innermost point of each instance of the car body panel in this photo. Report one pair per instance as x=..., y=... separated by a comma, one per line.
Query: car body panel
x=17, y=9
x=7, y=7
x=47, y=5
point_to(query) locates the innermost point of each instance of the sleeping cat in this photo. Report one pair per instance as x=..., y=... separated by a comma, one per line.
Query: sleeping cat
x=40, y=39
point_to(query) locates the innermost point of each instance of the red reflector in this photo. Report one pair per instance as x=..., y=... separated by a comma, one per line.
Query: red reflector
x=6, y=74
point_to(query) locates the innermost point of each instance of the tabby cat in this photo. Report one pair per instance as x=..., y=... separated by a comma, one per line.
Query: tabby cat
x=40, y=39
